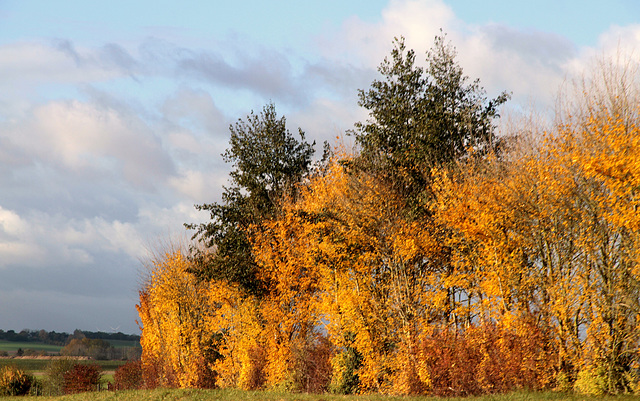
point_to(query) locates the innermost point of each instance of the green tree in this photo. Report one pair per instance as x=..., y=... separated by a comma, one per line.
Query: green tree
x=268, y=161
x=423, y=117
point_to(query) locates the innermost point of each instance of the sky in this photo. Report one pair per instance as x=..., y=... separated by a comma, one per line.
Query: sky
x=114, y=114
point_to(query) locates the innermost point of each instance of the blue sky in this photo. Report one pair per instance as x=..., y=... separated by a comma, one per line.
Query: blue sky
x=113, y=115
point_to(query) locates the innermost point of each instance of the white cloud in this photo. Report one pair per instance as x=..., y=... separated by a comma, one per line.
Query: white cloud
x=159, y=222
x=11, y=223
x=91, y=141
x=38, y=239
x=103, y=149
x=366, y=44
x=621, y=41
x=531, y=64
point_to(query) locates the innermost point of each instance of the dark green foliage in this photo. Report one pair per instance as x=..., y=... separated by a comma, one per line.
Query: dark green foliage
x=351, y=361
x=421, y=118
x=81, y=378
x=268, y=162
x=14, y=381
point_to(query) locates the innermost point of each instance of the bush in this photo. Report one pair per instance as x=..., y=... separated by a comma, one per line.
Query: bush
x=486, y=359
x=310, y=369
x=128, y=376
x=344, y=379
x=590, y=381
x=82, y=378
x=54, y=375
x=14, y=381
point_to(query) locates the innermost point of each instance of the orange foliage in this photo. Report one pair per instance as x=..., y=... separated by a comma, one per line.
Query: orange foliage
x=524, y=272
x=552, y=234
x=173, y=313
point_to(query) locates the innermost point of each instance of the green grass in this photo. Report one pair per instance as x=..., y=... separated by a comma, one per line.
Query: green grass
x=12, y=347
x=28, y=365
x=123, y=343
x=237, y=395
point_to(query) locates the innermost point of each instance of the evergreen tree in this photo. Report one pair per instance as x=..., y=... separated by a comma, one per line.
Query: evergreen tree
x=268, y=162
x=422, y=117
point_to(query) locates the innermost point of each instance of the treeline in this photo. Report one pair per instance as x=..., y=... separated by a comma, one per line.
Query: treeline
x=436, y=257
x=61, y=339
x=99, y=349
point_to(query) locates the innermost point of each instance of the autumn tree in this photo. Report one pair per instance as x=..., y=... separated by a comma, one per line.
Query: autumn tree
x=429, y=261
x=179, y=348
x=600, y=138
x=553, y=234
x=344, y=256
x=421, y=119
x=268, y=161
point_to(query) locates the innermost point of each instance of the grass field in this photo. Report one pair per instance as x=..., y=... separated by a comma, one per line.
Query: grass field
x=123, y=343
x=11, y=347
x=237, y=395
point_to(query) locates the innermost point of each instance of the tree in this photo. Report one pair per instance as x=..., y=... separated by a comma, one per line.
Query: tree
x=176, y=340
x=268, y=161
x=421, y=118
x=552, y=233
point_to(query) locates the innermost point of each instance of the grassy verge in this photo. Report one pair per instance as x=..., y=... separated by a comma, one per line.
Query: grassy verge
x=237, y=395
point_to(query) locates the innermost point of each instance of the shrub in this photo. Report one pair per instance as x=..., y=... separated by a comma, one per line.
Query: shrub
x=82, y=378
x=487, y=359
x=54, y=375
x=590, y=381
x=14, y=381
x=128, y=376
x=254, y=378
x=345, y=379
x=632, y=378
x=310, y=369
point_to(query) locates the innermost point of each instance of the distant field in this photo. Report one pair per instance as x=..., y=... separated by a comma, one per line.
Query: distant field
x=12, y=347
x=39, y=365
x=123, y=343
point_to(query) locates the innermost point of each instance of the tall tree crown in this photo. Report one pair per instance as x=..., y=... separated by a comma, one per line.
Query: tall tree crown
x=423, y=117
x=268, y=161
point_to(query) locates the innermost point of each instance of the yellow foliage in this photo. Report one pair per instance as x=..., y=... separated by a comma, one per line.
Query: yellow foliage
x=538, y=245
x=236, y=316
x=173, y=314
x=554, y=234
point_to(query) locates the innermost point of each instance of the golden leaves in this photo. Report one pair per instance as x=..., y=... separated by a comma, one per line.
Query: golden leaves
x=173, y=314
x=543, y=240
